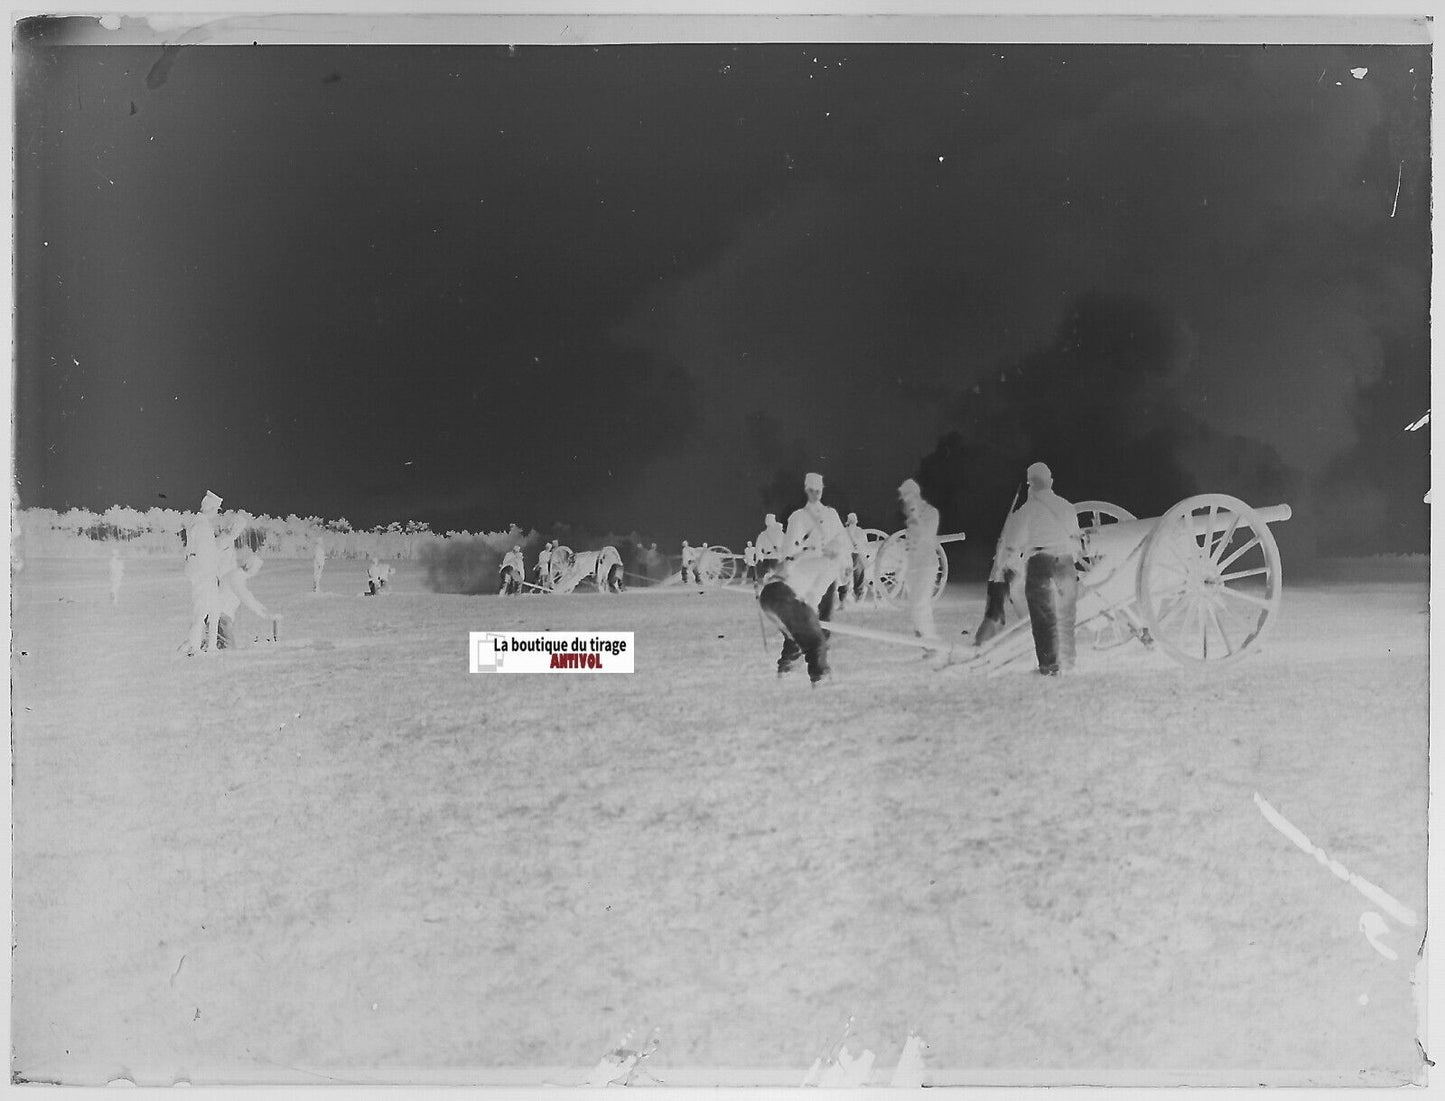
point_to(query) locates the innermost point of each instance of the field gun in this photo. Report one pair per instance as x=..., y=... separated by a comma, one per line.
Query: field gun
x=1203, y=581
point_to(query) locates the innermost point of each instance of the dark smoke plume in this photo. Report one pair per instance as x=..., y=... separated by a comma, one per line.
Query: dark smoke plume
x=1099, y=407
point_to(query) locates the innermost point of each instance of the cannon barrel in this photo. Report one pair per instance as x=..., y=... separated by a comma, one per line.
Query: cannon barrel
x=1112, y=541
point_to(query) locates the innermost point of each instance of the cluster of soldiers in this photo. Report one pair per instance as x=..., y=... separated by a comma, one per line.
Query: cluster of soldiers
x=218, y=581
x=800, y=567
x=807, y=568
x=553, y=562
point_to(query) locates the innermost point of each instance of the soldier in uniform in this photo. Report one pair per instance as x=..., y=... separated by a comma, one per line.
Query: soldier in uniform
x=511, y=571
x=203, y=573
x=922, y=519
x=1045, y=533
x=815, y=547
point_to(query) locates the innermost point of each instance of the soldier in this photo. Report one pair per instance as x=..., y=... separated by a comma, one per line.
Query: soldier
x=511, y=571
x=544, y=564
x=203, y=573
x=558, y=564
x=1005, y=574
x=770, y=539
x=787, y=604
x=750, y=562
x=226, y=599
x=816, y=547
x=922, y=565
x=318, y=563
x=689, y=563
x=234, y=593
x=375, y=576
x=853, y=584
x=1045, y=532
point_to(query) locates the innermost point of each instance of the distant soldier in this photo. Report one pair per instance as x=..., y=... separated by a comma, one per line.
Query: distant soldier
x=544, y=565
x=318, y=563
x=653, y=563
x=770, y=539
x=859, y=539
x=609, y=570
x=225, y=566
x=559, y=563
x=512, y=570
x=234, y=593
x=689, y=562
x=203, y=573
x=922, y=557
x=117, y=573
x=750, y=561
x=376, y=575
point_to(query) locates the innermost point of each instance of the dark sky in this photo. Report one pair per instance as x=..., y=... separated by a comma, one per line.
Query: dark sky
x=627, y=287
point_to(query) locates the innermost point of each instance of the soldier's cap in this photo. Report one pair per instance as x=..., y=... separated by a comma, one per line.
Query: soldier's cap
x=210, y=500
x=1040, y=473
x=517, y=547
x=852, y=517
x=909, y=488
x=813, y=481
x=770, y=518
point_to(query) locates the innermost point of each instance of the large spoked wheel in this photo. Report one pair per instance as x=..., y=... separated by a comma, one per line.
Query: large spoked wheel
x=1209, y=580
x=716, y=566
x=1094, y=515
x=1111, y=628
x=890, y=574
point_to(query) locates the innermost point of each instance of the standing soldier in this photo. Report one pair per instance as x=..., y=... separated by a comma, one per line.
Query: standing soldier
x=689, y=562
x=203, y=573
x=318, y=563
x=922, y=565
x=1045, y=532
x=770, y=540
x=558, y=564
x=750, y=561
x=859, y=538
x=544, y=564
x=511, y=571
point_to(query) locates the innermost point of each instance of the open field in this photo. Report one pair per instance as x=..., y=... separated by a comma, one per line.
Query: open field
x=344, y=857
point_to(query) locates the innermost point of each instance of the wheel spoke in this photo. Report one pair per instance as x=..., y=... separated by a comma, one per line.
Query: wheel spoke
x=1165, y=613
x=1185, y=559
x=1228, y=649
x=1176, y=591
x=1256, y=572
x=1225, y=538
x=1254, y=542
x=1206, y=540
x=1257, y=601
x=1236, y=615
x=1189, y=615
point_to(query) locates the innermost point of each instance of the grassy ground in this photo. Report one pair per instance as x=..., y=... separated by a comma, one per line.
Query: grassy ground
x=343, y=855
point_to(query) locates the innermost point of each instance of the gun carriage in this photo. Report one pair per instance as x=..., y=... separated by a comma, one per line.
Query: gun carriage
x=1203, y=582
